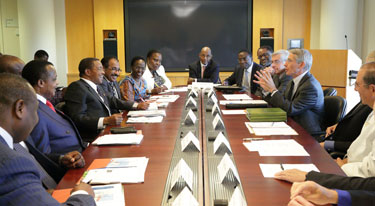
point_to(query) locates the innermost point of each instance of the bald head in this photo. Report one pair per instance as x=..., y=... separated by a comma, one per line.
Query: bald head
x=11, y=64
x=205, y=55
x=371, y=57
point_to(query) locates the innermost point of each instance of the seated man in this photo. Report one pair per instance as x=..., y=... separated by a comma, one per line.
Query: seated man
x=111, y=72
x=303, y=98
x=21, y=179
x=277, y=70
x=55, y=132
x=264, y=56
x=204, y=70
x=244, y=72
x=358, y=190
x=11, y=64
x=89, y=106
x=157, y=80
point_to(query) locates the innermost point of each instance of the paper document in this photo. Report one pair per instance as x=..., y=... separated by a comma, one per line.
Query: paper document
x=156, y=119
x=119, y=139
x=119, y=170
x=269, y=170
x=233, y=112
x=287, y=147
x=225, y=102
x=165, y=98
x=177, y=89
x=236, y=96
x=109, y=195
x=270, y=128
x=146, y=113
x=152, y=106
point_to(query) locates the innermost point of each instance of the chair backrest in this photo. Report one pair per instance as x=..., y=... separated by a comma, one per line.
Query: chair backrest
x=330, y=92
x=334, y=108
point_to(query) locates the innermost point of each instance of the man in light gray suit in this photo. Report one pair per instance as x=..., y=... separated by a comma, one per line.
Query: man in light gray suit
x=303, y=99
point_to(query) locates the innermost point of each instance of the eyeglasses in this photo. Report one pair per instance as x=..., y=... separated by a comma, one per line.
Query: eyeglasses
x=116, y=69
x=358, y=85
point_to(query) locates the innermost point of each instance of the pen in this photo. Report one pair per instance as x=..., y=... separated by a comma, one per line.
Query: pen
x=141, y=99
x=282, y=167
x=252, y=139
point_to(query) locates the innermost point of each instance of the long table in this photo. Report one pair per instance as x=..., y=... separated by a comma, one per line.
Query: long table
x=159, y=140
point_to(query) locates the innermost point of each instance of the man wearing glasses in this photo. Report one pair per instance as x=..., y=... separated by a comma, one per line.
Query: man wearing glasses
x=111, y=73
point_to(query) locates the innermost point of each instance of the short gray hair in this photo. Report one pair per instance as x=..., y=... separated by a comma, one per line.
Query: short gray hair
x=303, y=55
x=283, y=54
x=369, y=77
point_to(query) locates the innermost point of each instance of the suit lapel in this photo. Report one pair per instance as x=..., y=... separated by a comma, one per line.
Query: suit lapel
x=96, y=95
x=303, y=80
x=52, y=115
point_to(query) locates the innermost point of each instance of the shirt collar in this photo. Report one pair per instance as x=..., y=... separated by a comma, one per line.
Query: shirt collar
x=41, y=98
x=8, y=139
x=92, y=84
x=250, y=67
x=298, y=78
x=203, y=64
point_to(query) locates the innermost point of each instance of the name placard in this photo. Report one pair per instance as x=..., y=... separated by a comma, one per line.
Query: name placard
x=237, y=198
x=191, y=102
x=193, y=93
x=190, y=118
x=227, y=170
x=215, y=110
x=217, y=123
x=182, y=173
x=185, y=198
x=190, y=141
x=221, y=144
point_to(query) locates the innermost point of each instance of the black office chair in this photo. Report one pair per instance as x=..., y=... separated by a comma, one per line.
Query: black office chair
x=330, y=92
x=334, y=110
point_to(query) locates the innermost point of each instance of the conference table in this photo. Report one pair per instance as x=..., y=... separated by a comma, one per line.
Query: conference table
x=158, y=145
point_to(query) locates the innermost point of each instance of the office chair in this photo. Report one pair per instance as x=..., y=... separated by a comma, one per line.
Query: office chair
x=330, y=92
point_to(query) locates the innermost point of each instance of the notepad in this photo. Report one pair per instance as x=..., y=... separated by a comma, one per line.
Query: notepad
x=287, y=147
x=269, y=170
x=118, y=139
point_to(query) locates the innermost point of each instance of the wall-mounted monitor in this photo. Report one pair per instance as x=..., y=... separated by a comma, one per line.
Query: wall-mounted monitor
x=295, y=43
x=180, y=28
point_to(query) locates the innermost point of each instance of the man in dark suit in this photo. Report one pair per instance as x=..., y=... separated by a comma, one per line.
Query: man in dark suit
x=89, y=106
x=110, y=85
x=277, y=69
x=361, y=191
x=204, y=70
x=244, y=71
x=264, y=55
x=340, y=136
x=21, y=182
x=55, y=132
x=303, y=99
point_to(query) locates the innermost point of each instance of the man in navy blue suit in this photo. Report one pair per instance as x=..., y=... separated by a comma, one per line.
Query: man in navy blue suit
x=55, y=132
x=20, y=182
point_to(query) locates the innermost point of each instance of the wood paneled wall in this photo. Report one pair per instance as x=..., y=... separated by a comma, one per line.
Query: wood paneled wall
x=86, y=20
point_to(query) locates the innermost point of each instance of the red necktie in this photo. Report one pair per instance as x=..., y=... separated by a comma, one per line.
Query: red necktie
x=48, y=103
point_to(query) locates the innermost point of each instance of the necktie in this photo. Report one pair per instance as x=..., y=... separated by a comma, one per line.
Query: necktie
x=114, y=91
x=46, y=179
x=291, y=91
x=203, y=68
x=49, y=104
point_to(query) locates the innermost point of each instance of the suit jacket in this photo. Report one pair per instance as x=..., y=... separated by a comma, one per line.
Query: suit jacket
x=306, y=107
x=55, y=132
x=211, y=73
x=109, y=91
x=361, y=190
x=281, y=82
x=349, y=128
x=20, y=182
x=237, y=75
x=85, y=107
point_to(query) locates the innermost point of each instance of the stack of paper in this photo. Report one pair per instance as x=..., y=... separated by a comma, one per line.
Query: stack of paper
x=287, y=147
x=270, y=128
x=234, y=112
x=135, y=120
x=266, y=114
x=236, y=96
x=225, y=102
x=116, y=170
x=165, y=98
x=269, y=170
x=146, y=113
x=118, y=139
x=177, y=89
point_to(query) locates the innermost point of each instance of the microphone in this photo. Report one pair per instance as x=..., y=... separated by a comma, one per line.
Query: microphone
x=346, y=39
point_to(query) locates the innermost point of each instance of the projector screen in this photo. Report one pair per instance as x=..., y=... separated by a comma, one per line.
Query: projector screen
x=179, y=29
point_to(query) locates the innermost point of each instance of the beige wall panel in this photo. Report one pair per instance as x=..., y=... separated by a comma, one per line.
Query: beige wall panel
x=79, y=33
x=297, y=23
x=109, y=15
x=267, y=14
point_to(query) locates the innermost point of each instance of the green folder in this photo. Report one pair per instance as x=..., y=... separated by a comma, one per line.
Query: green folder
x=266, y=115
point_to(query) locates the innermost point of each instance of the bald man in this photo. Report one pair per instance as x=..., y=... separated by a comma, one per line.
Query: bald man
x=204, y=70
x=11, y=64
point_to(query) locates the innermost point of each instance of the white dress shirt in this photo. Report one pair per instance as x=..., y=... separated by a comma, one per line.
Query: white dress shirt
x=247, y=77
x=147, y=75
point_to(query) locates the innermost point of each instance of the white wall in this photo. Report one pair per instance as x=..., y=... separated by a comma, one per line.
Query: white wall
x=61, y=45
x=368, y=35
x=9, y=33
